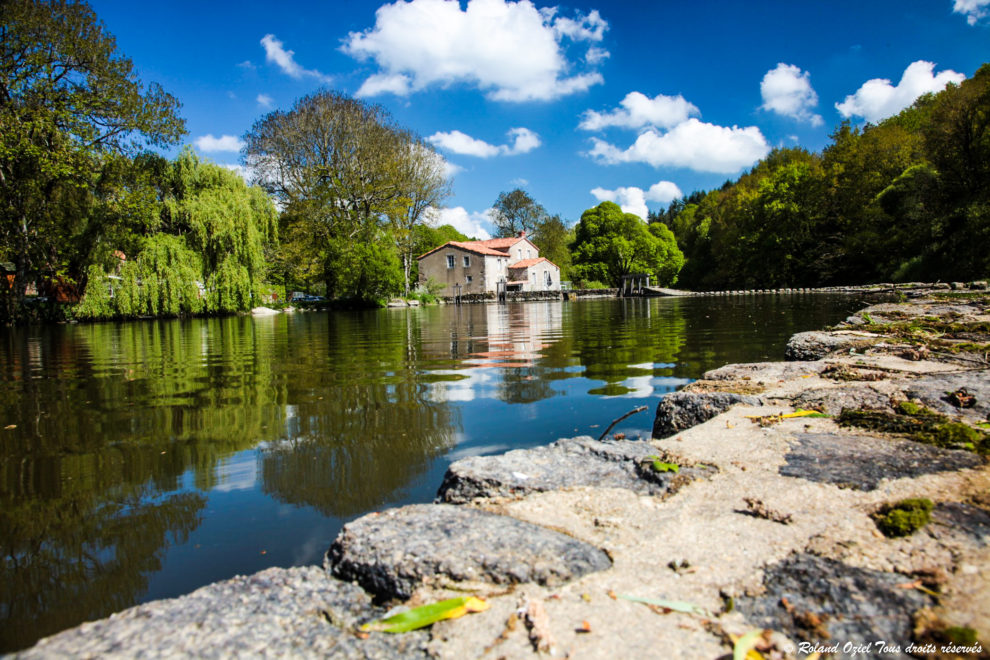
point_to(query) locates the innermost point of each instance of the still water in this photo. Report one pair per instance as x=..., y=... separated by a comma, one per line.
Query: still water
x=142, y=460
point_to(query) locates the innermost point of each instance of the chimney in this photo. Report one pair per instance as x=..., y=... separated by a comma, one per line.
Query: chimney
x=521, y=233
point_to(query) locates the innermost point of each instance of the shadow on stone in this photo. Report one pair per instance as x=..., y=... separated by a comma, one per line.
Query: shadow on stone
x=824, y=601
x=863, y=461
x=682, y=410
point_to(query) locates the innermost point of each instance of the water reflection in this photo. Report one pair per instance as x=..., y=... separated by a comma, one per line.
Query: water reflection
x=148, y=458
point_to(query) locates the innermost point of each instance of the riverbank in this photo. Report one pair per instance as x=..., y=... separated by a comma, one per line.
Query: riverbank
x=766, y=522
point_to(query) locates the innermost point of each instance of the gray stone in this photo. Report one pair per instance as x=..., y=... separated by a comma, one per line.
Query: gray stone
x=393, y=552
x=862, y=461
x=567, y=463
x=932, y=391
x=297, y=612
x=824, y=601
x=682, y=410
x=816, y=345
x=765, y=372
x=855, y=395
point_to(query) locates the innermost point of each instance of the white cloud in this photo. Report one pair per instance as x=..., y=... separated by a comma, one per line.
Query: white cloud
x=523, y=141
x=596, y=55
x=973, y=9
x=520, y=182
x=472, y=225
x=633, y=200
x=877, y=99
x=209, y=144
x=639, y=110
x=692, y=144
x=787, y=91
x=509, y=49
x=265, y=101
x=276, y=53
x=246, y=64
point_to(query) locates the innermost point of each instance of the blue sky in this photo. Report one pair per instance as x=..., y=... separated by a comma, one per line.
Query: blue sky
x=637, y=102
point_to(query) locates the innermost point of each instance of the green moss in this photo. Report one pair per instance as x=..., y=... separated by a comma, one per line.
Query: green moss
x=904, y=518
x=921, y=425
x=961, y=635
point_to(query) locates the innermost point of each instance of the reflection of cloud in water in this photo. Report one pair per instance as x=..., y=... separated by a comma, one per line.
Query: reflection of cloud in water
x=239, y=472
x=639, y=387
x=475, y=384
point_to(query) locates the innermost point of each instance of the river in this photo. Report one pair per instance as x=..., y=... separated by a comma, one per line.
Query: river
x=142, y=460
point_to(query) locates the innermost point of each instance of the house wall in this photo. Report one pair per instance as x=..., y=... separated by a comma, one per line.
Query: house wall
x=523, y=249
x=536, y=280
x=482, y=269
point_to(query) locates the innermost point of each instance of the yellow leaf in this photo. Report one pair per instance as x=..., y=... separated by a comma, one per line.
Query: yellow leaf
x=743, y=646
x=425, y=615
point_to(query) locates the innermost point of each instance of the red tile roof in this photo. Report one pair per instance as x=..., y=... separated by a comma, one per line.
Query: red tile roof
x=526, y=263
x=502, y=243
x=478, y=247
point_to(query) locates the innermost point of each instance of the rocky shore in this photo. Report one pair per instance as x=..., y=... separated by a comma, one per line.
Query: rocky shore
x=838, y=501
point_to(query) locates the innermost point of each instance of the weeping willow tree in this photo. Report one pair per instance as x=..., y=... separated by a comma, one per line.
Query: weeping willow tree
x=200, y=251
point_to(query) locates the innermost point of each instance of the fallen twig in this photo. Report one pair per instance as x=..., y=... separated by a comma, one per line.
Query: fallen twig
x=628, y=414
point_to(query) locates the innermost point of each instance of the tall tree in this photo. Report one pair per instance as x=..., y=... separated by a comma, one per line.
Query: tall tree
x=344, y=173
x=426, y=187
x=609, y=244
x=517, y=211
x=68, y=101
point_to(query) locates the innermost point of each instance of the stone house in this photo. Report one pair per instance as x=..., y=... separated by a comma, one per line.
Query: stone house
x=478, y=266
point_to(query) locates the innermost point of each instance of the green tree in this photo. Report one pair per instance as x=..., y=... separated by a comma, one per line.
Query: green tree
x=343, y=171
x=209, y=230
x=609, y=244
x=68, y=102
x=517, y=211
x=553, y=237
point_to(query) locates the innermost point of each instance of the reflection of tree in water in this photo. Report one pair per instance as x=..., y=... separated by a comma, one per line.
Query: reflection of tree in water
x=365, y=426
x=609, y=340
x=109, y=419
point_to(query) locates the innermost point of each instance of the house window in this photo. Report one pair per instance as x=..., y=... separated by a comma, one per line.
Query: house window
x=547, y=278
x=450, y=261
x=467, y=262
x=468, y=277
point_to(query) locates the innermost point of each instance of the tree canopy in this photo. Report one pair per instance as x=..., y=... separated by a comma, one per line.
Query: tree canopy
x=345, y=173
x=904, y=199
x=609, y=244
x=69, y=106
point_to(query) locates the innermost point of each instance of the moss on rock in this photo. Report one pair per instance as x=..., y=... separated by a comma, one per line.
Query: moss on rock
x=904, y=518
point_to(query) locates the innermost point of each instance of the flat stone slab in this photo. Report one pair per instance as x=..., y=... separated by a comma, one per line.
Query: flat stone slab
x=816, y=345
x=297, y=612
x=824, y=601
x=567, y=463
x=850, y=395
x=393, y=552
x=932, y=392
x=862, y=461
x=680, y=411
x=765, y=372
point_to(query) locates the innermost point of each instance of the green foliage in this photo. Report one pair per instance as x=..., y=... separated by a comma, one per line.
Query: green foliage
x=211, y=231
x=517, y=211
x=905, y=199
x=366, y=272
x=69, y=105
x=609, y=244
x=905, y=517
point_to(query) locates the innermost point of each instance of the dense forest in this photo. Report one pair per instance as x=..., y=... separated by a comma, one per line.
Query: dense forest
x=95, y=223
x=907, y=199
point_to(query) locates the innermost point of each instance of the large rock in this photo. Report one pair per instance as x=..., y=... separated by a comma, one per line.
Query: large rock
x=297, y=612
x=765, y=372
x=681, y=410
x=393, y=552
x=862, y=461
x=815, y=345
x=567, y=463
x=824, y=601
